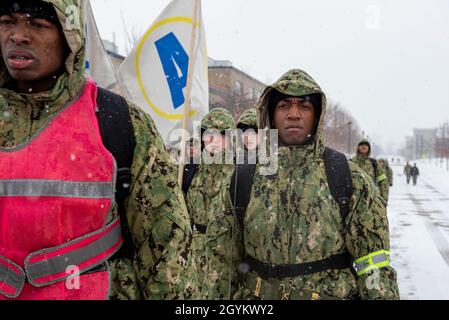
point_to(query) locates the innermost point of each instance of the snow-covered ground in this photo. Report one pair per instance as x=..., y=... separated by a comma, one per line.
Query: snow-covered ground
x=419, y=229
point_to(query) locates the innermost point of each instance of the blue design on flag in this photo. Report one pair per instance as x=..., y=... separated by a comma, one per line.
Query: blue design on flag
x=175, y=62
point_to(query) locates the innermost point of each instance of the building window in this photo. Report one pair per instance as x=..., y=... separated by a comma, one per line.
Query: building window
x=238, y=88
x=250, y=94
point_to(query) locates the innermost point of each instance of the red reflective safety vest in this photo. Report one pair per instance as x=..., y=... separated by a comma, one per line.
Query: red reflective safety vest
x=56, y=196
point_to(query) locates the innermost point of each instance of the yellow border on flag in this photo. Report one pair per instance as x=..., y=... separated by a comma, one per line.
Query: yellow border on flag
x=139, y=78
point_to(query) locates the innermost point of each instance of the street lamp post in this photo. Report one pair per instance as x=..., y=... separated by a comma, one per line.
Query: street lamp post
x=349, y=138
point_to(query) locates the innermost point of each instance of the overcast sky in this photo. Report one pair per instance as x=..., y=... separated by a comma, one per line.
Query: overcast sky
x=385, y=61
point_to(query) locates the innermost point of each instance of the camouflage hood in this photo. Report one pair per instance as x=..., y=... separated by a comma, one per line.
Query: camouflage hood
x=295, y=83
x=69, y=84
x=248, y=118
x=220, y=119
x=364, y=141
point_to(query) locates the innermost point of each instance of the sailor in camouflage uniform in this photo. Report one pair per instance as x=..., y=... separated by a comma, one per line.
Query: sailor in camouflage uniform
x=207, y=179
x=372, y=168
x=389, y=172
x=215, y=284
x=163, y=265
x=293, y=225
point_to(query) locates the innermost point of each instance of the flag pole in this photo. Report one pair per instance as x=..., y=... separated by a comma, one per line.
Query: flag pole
x=187, y=106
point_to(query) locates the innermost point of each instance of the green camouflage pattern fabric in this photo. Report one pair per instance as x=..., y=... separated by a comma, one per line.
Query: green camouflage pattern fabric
x=205, y=186
x=248, y=117
x=163, y=266
x=292, y=218
x=380, y=179
x=219, y=119
x=159, y=222
x=386, y=166
x=390, y=173
x=216, y=284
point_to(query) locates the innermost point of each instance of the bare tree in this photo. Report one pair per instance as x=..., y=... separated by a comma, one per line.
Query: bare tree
x=132, y=36
x=341, y=129
x=235, y=103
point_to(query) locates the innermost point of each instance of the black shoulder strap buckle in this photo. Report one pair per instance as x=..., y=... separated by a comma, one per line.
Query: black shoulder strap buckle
x=343, y=202
x=123, y=184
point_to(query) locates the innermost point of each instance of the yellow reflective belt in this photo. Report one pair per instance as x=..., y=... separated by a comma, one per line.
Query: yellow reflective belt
x=381, y=178
x=375, y=260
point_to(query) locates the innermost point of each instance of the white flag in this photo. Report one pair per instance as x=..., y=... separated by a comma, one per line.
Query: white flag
x=155, y=73
x=98, y=64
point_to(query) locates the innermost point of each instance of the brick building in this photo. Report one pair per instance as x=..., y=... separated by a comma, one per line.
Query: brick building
x=229, y=87
x=232, y=88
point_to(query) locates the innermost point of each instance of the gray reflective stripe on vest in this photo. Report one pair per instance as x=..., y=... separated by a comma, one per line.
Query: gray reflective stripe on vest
x=362, y=265
x=55, y=188
x=60, y=263
x=376, y=259
x=380, y=258
x=11, y=278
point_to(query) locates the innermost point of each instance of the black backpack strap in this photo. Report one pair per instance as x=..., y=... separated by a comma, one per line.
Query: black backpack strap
x=240, y=188
x=339, y=179
x=374, y=164
x=117, y=134
x=189, y=173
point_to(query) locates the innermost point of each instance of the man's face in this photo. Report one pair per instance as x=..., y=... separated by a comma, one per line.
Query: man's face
x=363, y=149
x=295, y=120
x=250, y=139
x=215, y=142
x=33, y=49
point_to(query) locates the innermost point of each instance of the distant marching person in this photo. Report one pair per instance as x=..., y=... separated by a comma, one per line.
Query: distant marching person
x=408, y=172
x=415, y=173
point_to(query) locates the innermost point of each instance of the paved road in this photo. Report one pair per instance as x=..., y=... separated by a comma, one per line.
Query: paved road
x=419, y=226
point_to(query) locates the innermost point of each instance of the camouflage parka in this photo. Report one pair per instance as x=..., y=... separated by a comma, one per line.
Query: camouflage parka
x=379, y=176
x=292, y=218
x=388, y=171
x=163, y=265
x=205, y=186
